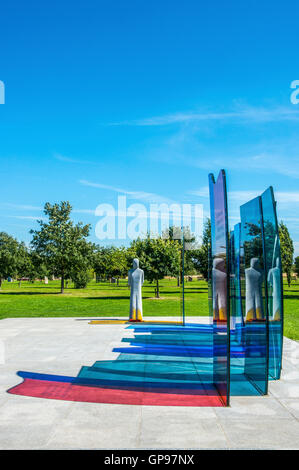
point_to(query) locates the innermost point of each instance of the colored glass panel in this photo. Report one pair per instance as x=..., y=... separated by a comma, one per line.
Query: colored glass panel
x=274, y=282
x=253, y=289
x=237, y=321
x=219, y=285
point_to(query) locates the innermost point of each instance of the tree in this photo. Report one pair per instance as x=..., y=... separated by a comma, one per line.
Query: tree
x=111, y=262
x=297, y=265
x=119, y=262
x=200, y=257
x=287, y=251
x=101, y=262
x=81, y=278
x=30, y=265
x=190, y=247
x=191, y=252
x=158, y=258
x=61, y=244
x=10, y=255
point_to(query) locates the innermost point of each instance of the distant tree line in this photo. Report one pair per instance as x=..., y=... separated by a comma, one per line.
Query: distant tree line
x=61, y=249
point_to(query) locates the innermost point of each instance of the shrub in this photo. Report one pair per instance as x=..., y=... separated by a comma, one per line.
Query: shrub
x=81, y=279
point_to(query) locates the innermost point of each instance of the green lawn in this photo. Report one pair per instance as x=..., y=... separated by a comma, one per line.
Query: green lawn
x=98, y=299
x=291, y=310
x=105, y=299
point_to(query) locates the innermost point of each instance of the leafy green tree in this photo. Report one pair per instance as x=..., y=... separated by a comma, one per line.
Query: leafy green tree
x=111, y=262
x=23, y=261
x=200, y=257
x=190, y=248
x=81, y=278
x=158, y=258
x=119, y=263
x=191, y=252
x=10, y=255
x=61, y=244
x=39, y=269
x=101, y=262
x=287, y=251
x=31, y=265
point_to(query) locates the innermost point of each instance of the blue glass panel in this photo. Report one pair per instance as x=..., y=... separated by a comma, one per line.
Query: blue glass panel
x=236, y=314
x=219, y=301
x=253, y=288
x=232, y=296
x=274, y=282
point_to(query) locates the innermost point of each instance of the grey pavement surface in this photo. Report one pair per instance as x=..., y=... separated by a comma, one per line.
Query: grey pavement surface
x=62, y=345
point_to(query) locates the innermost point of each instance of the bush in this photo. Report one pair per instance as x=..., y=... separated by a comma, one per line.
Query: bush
x=81, y=279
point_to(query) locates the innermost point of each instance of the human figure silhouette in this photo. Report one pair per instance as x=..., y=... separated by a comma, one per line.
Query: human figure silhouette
x=254, y=298
x=135, y=280
x=219, y=286
x=274, y=279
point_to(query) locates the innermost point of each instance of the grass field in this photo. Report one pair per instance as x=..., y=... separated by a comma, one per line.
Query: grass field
x=107, y=300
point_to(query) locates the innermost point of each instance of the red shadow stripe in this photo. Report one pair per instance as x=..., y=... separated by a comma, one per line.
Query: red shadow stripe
x=80, y=393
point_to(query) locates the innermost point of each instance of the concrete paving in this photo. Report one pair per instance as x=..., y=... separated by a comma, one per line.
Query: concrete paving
x=62, y=345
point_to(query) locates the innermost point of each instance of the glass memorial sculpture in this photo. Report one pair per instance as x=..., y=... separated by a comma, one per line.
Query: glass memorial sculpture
x=189, y=362
x=245, y=294
x=219, y=285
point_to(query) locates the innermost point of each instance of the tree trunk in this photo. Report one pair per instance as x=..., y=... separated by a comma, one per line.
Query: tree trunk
x=178, y=279
x=62, y=283
x=157, y=289
x=289, y=278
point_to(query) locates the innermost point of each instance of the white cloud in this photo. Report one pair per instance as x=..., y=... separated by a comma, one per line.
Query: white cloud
x=26, y=217
x=241, y=112
x=62, y=158
x=201, y=192
x=287, y=197
x=84, y=211
x=148, y=197
x=20, y=207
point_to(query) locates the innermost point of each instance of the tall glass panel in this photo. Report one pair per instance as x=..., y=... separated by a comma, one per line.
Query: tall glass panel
x=253, y=287
x=274, y=282
x=239, y=322
x=220, y=307
x=232, y=274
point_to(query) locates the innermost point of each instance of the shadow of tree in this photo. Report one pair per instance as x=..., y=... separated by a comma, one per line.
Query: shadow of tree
x=29, y=293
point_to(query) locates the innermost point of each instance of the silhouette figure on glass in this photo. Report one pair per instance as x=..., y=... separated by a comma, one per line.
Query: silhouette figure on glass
x=219, y=286
x=274, y=279
x=135, y=280
x=254, y=297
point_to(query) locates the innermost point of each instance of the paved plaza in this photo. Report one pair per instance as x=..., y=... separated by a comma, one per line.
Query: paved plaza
x=63, y=345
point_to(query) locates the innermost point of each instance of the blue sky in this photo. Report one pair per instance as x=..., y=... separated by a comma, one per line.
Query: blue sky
x=145, y=99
